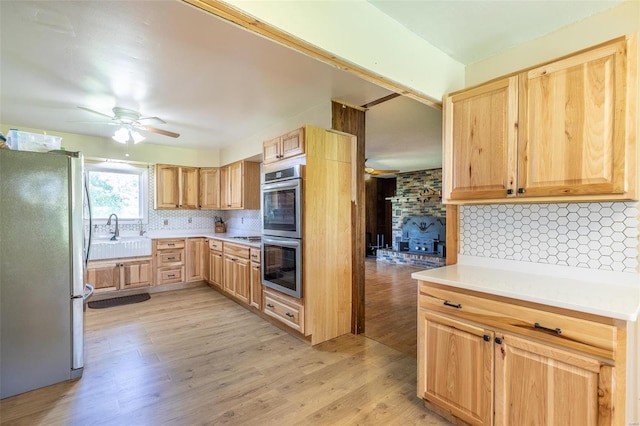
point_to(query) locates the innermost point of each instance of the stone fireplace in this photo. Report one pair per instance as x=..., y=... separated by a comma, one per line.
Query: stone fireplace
x=418, y=222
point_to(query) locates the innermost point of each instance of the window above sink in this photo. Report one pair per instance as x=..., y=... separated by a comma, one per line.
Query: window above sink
x=120, y=188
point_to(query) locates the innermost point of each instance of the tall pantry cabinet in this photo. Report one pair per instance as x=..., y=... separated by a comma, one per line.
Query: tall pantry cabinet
x=328, y=192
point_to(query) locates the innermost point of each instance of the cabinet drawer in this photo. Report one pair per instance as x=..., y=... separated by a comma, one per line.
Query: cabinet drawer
x=236, y=250
x=169, y=244
x=170, y=258
x=575, y=333
x=170, y=275
x=215, y=244
x=284, y=309
x=254, y=254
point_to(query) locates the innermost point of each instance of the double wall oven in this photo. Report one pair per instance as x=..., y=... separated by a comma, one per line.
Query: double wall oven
x=282, y=230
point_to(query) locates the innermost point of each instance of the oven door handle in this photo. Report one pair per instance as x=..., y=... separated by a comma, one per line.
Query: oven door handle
x=291, y=183
x=286, y=242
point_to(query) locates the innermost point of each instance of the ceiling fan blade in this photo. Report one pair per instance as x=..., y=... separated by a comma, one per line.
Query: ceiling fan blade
x=384, y=172
x=110, y=117
x=159, y=131
x=156, y=119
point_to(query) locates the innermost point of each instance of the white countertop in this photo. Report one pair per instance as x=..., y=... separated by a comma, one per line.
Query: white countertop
x=206, y=233
x=610, y=294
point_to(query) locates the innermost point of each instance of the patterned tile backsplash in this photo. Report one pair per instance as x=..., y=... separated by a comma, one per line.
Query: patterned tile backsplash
x=587, y=235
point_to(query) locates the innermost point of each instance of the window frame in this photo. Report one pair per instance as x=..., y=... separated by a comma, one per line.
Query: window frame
x=129, y=168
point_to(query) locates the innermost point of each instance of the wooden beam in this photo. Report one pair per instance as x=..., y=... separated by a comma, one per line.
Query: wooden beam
x=352, y=120
x=381, y=100
x=238, y=17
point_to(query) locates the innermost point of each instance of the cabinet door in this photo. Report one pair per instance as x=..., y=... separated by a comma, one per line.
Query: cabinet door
x=242, y=274
x=271, y=151
x=189, y=188
x=167, y=187
x=206, y=262
x=210, y=189
x=216, y=268
x=235, y=185
x=572, y=133
x=229, y=278
x=194, y=254
x=104, y=276
x=225, y=186
x=136, y=273
x=256, y=286
x=292, y=144
x=480, y=141
x=538, y=384
x=455, y=367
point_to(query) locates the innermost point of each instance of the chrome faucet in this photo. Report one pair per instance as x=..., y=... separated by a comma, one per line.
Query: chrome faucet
x=116, y=233
x=141, y=230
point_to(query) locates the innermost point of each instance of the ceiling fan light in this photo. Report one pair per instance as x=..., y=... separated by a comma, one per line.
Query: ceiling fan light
x=137, y=137
x=121, y=135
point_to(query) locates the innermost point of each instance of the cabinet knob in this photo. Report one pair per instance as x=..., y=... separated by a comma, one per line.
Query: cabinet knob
x=289, y=315
x=486, y=338
x=269, y=305
x=521, y=190
x=509, y=191
x=498, y=340
x=177, y=205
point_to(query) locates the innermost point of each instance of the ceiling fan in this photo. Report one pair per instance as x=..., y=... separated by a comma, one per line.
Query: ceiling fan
x=373, y=172
x=130, y=119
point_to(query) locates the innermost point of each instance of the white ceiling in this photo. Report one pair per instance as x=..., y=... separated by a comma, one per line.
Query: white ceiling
x=216, y=84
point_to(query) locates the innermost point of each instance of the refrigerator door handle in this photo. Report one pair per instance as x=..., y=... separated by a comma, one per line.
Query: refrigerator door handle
x=77, y=333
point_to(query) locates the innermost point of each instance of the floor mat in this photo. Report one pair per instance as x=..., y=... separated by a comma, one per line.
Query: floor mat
x=117, y=301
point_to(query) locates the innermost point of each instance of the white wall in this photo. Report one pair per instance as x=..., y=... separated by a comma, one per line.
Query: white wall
x=97, y=147
x=361, y=34
x=618, y=21
x=318, y=115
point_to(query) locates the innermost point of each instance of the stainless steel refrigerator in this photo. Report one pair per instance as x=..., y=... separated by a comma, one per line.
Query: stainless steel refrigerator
x=43, y=254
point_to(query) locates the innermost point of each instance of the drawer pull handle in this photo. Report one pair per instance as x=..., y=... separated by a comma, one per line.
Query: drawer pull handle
x=171, y=258
x=269, y=305
x=447, y=303
x=289, y=315
x=551, y=330
x=171, y=276
x=171, y=245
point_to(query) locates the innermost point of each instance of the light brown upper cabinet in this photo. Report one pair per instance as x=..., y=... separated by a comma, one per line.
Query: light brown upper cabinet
x=209, y=188
x=286, y=146
x=561, y=131
x=240, y=186
x=176, y=187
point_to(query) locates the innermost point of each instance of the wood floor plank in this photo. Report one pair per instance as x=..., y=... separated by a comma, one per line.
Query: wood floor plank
x=391, y=305
x=195, y=357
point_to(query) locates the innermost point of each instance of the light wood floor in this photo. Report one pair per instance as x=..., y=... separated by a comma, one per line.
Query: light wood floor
x=194, y=357
x=391, y=299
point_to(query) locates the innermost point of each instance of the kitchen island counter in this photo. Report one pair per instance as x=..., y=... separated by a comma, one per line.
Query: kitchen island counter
x=610, y=294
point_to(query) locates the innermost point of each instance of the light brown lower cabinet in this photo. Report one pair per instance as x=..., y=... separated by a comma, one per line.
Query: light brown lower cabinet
x=194, y=259
x=285, y=309
x=169, y=257
x=236, y=277
x=119, y=274
x=216, y=268
x=256, y=280
x=494, y=362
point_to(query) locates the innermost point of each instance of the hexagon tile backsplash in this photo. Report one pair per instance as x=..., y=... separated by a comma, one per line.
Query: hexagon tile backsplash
x=587, y=235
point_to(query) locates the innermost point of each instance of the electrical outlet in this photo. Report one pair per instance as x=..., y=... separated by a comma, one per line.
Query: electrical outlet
x=166, y=222
x=190, y=220
x=242, y=219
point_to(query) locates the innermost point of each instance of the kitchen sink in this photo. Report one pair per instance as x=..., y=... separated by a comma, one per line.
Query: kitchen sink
x=103, y=247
